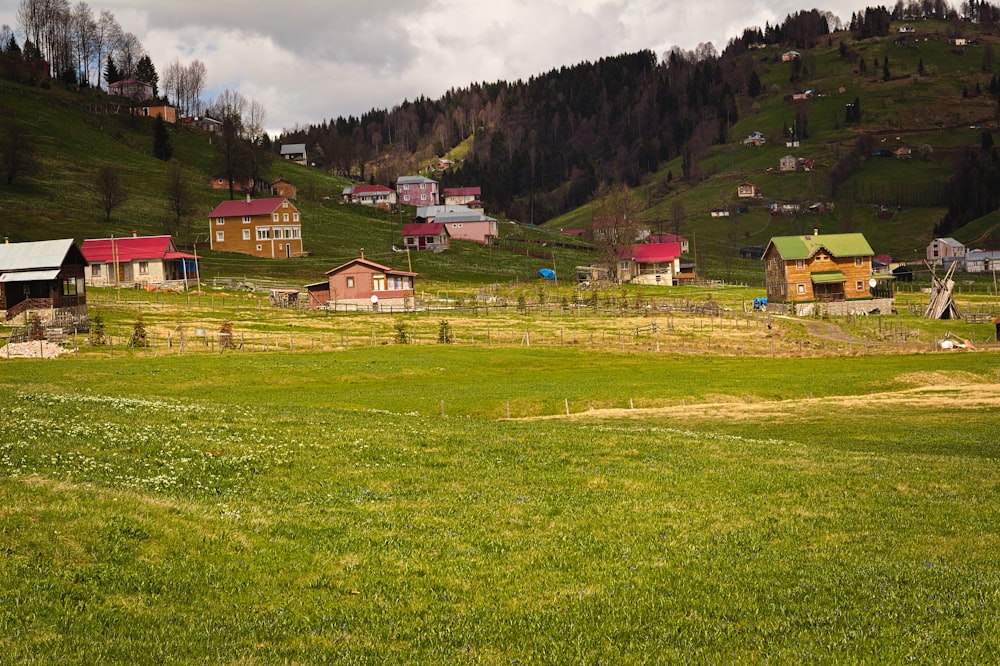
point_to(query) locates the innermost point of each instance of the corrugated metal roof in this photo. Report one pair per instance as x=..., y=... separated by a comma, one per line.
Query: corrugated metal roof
x=29, y=276
x=128, y=248
x=424, y=229
x=34, y=255
x=839, y=245
x=241, y=207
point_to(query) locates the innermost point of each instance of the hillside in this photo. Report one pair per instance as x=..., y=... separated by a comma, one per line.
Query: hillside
x=71, y=142
x=916, y=90
x=934, y=114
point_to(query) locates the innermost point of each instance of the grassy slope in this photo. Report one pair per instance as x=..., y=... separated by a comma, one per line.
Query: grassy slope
x=908, y=110
x=72, y=143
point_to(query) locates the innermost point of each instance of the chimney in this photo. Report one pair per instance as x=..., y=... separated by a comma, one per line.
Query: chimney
x=362, y=253
x=815, y=232
x=248, y=197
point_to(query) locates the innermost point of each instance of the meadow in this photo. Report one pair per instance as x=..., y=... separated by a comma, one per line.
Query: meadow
x=375, y=504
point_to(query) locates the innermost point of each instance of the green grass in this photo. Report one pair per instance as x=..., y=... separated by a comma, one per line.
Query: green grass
x=316, y=507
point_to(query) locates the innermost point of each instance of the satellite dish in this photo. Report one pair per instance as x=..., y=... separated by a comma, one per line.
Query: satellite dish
x=374, y=299
x=872, y=283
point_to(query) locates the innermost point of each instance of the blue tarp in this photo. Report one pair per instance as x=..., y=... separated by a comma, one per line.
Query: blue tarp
x=547, y=273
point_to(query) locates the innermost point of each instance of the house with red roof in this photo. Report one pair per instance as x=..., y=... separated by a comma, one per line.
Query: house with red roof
x=378, y=196
x=363, y=284
x=650, y=263
x=431, y=236
x=137, y=261
x=461, y=196
x=260, y=227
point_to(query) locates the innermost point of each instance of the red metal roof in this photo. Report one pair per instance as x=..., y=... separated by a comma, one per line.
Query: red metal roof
x=371, y=189
x=424, y=229
x=462, y=191
x=130, y=248
x=653, y=253
x=242, y=207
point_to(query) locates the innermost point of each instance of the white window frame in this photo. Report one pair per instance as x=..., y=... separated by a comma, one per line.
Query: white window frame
x=143, y=268
x=263, y=233
x=220, y=236
x=246, y=234
x=219, y=221
x=246, y=219
x=801, y=288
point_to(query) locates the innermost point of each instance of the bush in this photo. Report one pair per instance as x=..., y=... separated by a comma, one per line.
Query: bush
x=445, y=334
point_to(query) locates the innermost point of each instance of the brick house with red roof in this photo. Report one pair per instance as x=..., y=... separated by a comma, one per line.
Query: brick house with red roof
x=363, y=284
x=136, y=260
x=260, y=227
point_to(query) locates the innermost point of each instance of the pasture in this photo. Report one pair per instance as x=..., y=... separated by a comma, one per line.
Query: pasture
x=375, y=504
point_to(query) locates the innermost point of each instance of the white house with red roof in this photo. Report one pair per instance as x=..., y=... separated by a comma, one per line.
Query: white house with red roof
x=462, y=196
x=378, y=196
x=650, y=263
x=363, y=284
x=260, y=227
x=137, y=261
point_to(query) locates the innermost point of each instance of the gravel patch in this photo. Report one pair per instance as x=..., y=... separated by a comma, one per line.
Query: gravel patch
x=32, y=349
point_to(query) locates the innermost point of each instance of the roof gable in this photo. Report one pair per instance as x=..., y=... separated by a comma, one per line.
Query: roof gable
x=370, y=265
x=804, y=247
x=37, y=255
x=242, y=207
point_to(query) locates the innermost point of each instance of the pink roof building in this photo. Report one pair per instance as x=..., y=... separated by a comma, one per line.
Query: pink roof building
x=136, y=260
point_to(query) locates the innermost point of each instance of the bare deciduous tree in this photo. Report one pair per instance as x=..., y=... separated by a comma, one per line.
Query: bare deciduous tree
x=615, y=224
x=109, y=191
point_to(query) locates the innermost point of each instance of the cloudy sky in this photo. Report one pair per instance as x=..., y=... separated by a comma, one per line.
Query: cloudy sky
x=307, y=61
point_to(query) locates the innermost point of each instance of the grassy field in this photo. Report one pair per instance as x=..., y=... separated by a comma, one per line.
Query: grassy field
x=376, y=504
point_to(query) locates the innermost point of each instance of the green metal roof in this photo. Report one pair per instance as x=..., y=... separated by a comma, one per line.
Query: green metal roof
x=839, y=245
x=828, y=277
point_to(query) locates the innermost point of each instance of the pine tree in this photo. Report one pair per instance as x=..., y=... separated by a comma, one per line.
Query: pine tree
x=162, y=148
x=111, y=73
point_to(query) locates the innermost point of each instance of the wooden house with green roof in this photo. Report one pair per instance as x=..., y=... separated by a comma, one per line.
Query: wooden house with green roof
x=819, y=268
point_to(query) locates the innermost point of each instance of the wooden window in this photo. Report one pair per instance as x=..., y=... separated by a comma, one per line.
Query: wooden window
x=220, y=236
x=378, y=282
x=285, y=218
x=295, y=217
x=246, y=234
x=143, y=268
x=801, y=288
x=275, y=217
x=860, y=285
x=220, y=220
x=350, y=282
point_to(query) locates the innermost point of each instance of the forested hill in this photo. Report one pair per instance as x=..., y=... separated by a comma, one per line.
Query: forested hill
x=541, y=146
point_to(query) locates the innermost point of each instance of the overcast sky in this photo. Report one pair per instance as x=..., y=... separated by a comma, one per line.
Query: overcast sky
x=307, y=61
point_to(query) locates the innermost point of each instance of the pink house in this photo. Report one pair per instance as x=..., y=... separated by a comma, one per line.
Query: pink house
x=462, y=222
x=363, y=284
x=133, y=89
x=416, y=191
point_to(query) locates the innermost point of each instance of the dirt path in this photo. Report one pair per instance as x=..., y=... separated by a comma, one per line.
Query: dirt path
x=824, y=330
x=937, y=390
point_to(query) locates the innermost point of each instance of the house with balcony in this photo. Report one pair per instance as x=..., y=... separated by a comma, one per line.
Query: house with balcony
x=42, y=277
x=138, y=261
